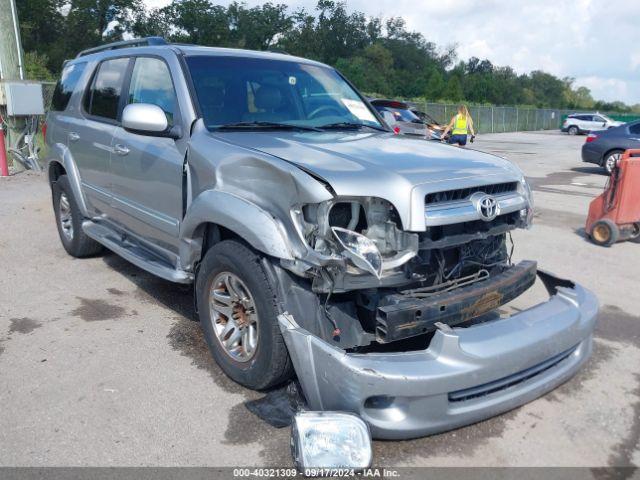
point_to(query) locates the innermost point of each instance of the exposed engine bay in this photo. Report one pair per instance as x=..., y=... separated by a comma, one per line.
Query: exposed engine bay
x=381, y=285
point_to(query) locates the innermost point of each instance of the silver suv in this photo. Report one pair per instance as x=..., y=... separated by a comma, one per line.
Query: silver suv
x=320, y=243
x=577, y=123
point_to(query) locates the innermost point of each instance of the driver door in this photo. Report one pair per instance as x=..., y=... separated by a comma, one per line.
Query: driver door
x=148, y=170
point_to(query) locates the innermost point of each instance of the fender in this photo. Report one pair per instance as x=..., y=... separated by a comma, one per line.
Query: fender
x=253, y=224
x=61, y=154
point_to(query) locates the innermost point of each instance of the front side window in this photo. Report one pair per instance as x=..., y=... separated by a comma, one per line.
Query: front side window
x=104, y=97
x=634, y=128
x=233, y=90
x=151, y=83
x=66, y=85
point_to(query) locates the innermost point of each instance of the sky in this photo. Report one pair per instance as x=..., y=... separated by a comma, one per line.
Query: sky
x=594, y=41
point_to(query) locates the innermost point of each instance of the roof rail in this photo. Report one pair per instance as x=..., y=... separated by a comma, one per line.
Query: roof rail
x=136, y=42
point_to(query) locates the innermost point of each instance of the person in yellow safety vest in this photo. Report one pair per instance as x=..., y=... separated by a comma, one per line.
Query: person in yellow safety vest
x=460, y=125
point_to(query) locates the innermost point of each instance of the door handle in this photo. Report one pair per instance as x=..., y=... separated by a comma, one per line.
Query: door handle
x=73, y=137
x=121, y=149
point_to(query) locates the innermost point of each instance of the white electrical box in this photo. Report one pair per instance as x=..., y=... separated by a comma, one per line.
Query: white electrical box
x=23, y=98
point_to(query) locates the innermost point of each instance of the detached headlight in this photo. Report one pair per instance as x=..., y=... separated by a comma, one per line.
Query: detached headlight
x=330, y=440
x=361, y=250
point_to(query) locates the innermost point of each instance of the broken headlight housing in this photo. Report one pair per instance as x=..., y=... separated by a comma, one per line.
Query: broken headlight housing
x=361, y=250
x=330, y=440
x=525, y=190
x=366, y=232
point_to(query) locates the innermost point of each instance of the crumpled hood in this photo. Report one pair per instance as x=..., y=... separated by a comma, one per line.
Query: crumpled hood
x=394, y=167
x=342, y=158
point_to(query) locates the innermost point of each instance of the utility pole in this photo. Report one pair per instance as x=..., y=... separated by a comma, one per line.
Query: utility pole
x=11, y=61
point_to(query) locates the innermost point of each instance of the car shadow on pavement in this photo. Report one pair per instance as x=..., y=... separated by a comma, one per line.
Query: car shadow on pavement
x=590, y=170
x=149, y=288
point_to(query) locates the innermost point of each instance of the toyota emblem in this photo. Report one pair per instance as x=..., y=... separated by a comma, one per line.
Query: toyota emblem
x=488, y=208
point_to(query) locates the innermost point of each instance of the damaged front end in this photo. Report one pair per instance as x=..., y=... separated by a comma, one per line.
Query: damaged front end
x=401, y=327
x=367, y=282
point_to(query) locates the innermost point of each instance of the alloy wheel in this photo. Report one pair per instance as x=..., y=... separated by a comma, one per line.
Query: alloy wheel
x=65, y=216
x=611, y=161
x=234, y=316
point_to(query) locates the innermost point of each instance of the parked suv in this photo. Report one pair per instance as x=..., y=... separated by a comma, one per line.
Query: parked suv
x=587, y=122
x=319, y=242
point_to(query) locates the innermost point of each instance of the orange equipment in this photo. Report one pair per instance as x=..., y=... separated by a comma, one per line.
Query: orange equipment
x=615, y=214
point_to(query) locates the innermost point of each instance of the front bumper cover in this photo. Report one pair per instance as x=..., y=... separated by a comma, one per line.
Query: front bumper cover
x=464, y=376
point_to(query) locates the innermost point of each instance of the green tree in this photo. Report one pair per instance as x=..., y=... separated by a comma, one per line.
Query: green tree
x=36, y=67
x=372, y=71
x=381, y=56
x=453, y=89
x=41, y=24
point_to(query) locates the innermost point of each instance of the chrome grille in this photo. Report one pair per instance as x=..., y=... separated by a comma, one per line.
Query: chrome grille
x=464, y=193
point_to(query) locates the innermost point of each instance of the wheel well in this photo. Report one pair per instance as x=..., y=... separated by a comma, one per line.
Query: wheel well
x=213, y=233
x=210, y=234
x=55, y=171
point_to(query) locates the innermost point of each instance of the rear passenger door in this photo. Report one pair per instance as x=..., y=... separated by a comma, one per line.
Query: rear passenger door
x=148, y=170
x=90, y=134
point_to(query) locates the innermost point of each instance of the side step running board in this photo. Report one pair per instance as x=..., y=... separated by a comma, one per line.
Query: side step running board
x=135, y=253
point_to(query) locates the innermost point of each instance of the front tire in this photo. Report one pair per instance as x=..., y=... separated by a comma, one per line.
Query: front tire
x=69, y=221
x=238, y=311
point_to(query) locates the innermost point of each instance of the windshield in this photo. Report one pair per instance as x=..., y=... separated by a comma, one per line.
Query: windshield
x=257, y=92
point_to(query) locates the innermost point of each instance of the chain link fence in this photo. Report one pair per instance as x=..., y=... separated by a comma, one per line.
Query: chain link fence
x=491, y=119
x=47, y=94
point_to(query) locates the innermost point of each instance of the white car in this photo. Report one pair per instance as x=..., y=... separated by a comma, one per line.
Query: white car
x=587, y=122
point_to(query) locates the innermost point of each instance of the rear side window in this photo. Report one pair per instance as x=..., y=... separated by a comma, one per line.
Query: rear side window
x=66, y=85
x=103, y=98
x=151, y=83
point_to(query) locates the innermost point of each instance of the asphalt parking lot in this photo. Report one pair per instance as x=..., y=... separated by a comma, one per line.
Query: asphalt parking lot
x=101, y=365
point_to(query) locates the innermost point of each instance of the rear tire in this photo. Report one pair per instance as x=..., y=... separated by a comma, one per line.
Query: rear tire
x=69, y=221
x=573, y=130
x=610, y=160
x=605, y=233
x=231, y=277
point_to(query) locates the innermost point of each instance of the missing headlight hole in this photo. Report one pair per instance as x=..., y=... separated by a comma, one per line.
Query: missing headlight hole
x=349, y=215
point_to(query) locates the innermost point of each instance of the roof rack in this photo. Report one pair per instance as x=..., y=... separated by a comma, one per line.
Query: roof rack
x=136, y=42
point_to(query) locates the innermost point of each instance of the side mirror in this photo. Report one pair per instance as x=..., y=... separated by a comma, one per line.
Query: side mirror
x=148, y=119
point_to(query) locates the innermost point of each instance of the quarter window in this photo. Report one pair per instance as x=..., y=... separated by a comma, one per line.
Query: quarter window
x=104, y=96
x=151, y=83
x=66, y=85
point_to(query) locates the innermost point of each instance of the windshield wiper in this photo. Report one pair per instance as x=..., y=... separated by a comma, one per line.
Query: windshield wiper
x=274, y=125
x=351, y=125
